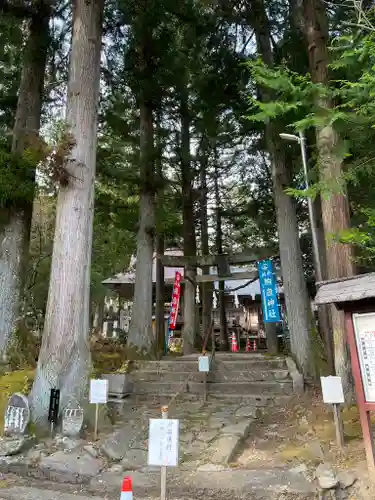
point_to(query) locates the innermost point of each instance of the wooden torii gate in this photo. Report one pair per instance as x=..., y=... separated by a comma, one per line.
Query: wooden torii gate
x=191, y=279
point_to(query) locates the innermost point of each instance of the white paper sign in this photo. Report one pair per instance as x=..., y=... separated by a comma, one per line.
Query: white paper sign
x=98, y=391
x=163, y=442
x=332, y=390
x=204, y=363
x=364, y=329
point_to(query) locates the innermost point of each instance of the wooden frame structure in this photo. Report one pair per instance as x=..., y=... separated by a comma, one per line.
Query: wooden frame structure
x=191, y=279
x=222, y=262
x=355, y=296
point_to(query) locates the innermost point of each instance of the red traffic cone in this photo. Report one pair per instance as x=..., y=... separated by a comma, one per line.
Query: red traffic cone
x=234, y=343
x=254, y=345
x=248, y=345
x=127, y=489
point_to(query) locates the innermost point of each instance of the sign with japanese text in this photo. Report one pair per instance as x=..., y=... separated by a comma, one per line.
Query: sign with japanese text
x=364, y=329
x=268, y=288
x=163, y=442
x=175, y=302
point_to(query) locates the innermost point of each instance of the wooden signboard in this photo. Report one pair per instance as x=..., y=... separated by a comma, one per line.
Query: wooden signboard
x=364, y=330
x=355, y=296
x=361, y=337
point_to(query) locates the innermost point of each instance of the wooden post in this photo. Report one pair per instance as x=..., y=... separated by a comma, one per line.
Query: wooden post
x=163, y=470
x=96, y=421
x=339, y=426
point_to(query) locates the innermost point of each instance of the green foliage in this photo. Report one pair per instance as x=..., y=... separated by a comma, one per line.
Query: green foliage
x=301, y=104
x=16, y=179
x=11, y=39
x=23, y=349
x=363, y=237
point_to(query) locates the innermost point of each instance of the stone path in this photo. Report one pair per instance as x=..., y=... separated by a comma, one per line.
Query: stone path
x=208, y=432
x=211, y=435
x=267, y=484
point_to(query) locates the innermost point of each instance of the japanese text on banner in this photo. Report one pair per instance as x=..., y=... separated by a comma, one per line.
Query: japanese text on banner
x=268, y=288
x=175, y=302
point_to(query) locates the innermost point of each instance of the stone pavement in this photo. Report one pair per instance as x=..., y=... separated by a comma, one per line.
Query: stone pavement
x=181, y=485
x=211, y=435
x=208, y=432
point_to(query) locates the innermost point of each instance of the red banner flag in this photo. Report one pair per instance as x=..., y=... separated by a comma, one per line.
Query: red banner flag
x=175, y=301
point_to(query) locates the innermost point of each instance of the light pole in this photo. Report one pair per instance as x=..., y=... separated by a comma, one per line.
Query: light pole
x=300, y=138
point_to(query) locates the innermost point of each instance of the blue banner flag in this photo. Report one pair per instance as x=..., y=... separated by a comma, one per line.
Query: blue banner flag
x=268, y=288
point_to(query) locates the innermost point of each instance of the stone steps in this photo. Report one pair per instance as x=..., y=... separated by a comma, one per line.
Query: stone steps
x=243, y=362
x=238, y=376
x=219, y=375
x=256, y=364
x=254, y=388
x=235, y=388
x=253, y=400
x=250, y=375
x=167, y=377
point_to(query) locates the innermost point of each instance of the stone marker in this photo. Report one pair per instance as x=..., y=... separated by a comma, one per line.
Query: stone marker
x=17, y=415
x=72, y=421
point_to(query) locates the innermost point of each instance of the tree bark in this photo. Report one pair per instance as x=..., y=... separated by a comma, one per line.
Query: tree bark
x=140, y=332
x=271, y=336
x=159, y=307
x=298, y=27
x=224, y=344
x=190, y=248
x=15, y=221
x=140, y=335
x=335, y=208
x=99, y=316
x=160, y=289
x=64, y=360
x=296, y=294
x=205, y=249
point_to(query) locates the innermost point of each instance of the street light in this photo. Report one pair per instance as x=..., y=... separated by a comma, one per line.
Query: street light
x=290, y=137
x=300, y=138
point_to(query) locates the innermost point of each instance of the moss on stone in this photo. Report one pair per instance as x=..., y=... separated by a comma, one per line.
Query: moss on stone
x=16, y=381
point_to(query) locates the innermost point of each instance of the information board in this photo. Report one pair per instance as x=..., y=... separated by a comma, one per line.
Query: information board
x=163, y=442
x=98, y=391
x=204, y=364
x=364, y=329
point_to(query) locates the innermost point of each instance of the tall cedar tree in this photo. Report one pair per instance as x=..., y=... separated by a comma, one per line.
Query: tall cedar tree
x=64, y=360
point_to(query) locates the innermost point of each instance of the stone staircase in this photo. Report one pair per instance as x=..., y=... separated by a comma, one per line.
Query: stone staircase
x=237, y=377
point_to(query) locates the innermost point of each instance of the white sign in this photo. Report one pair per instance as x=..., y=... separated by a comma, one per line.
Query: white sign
x=332, y=390
x=364, y=329
x=98, y=391
x=163, y=442
x=204, y=363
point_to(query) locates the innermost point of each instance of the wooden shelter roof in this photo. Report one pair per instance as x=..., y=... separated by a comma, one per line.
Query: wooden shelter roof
x=352, y=289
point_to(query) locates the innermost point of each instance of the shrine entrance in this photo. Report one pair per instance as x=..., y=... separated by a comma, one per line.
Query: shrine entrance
x=236, y=303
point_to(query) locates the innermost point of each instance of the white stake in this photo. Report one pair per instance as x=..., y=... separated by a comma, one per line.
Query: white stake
x=163, y=471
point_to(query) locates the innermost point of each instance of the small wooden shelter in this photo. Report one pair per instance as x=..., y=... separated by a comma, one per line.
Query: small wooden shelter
x=355, y=296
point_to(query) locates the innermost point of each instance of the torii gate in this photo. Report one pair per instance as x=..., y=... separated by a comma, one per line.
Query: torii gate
x=191, y=279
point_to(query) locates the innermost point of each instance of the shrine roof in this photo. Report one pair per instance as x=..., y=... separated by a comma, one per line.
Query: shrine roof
x=351, y=289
